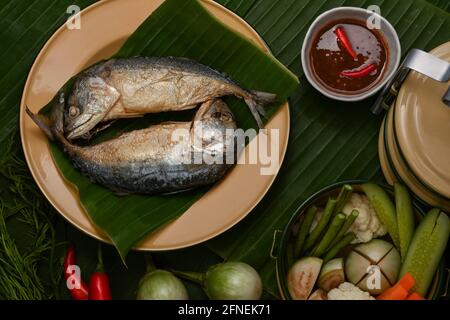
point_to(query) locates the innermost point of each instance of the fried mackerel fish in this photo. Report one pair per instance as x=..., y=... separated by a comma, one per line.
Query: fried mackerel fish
x=131, y=87
x=162, y=158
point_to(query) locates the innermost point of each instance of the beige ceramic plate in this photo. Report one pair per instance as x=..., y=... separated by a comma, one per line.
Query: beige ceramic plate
x=401, y=169
x=422, y=124
x=104, y=28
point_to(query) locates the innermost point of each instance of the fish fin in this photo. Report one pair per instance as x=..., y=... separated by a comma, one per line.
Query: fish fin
x=106, y=68
x=257, y=101
x=254, y=108
x=263, y=99
x=120, y=193
x=170, y=193
x=88, y=135
x=171, y=122
x=126, y=115
x=42, y=122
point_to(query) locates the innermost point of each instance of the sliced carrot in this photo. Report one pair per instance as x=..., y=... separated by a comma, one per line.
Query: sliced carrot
x=407, y=281
x=397, y=292
x=415, y=296
x=400, y=290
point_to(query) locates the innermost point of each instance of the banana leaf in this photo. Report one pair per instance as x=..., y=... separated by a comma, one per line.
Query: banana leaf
x=27, y=24
x=443, y=4
x=329, y=140
x=219, y=48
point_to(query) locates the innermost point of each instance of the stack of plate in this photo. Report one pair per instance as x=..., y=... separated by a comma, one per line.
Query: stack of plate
x=414, y=140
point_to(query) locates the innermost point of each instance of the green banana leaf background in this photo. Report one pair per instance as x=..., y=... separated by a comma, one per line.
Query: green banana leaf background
x=329, y=141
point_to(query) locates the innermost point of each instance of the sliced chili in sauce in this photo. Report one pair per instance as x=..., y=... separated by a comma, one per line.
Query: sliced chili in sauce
x=332, y=56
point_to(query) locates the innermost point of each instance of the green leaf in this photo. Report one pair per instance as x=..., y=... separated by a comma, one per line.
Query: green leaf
x=219, y=48
x=30, y=267
x=329, y=140
x=443, y=4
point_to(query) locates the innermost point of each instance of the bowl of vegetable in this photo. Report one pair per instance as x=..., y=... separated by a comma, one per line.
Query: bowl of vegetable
x=362, y=241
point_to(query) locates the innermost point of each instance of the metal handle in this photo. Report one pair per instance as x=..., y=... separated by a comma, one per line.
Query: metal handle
x=428, y=64
x=422, y=62
x=275, y=238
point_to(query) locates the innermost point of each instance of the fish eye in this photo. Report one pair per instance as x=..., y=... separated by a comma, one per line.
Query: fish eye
x=217, y=115
x=223, y=116
x=73, y=111
x=227, y=116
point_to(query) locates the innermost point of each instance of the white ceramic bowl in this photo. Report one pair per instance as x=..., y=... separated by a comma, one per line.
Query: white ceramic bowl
x=387, y=31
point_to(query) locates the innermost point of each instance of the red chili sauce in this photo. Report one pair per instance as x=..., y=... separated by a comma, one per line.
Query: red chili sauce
x=347, y=57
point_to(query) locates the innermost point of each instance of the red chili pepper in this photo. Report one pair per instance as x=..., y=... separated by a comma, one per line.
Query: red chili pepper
x=342, y=36
x=99, y=283
x=360, y=73
x=80, y=290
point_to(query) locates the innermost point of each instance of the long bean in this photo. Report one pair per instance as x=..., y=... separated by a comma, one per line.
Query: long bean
x=330, y=234
x=347, y=224
x=338, y=247
x=321, y=225
x=304, y=230
x=343, y=197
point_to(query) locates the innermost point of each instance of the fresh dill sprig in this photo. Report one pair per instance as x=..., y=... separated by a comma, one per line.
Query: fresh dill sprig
x=20, y=199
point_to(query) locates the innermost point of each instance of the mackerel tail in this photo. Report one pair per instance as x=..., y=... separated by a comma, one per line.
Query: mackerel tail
x=257, y=103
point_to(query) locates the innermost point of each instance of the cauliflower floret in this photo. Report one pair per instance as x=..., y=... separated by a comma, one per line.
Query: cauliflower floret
x=348, y=291
x=381, y=231
x=367, y=225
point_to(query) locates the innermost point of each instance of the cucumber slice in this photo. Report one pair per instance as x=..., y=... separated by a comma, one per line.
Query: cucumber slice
x=384, y=208
x=426, y=249
x=405, y=217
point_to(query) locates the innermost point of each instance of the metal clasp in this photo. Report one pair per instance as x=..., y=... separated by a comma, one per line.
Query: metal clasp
x=422, y=62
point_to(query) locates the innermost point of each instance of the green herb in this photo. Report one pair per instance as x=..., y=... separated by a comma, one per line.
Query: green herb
x=23, y=208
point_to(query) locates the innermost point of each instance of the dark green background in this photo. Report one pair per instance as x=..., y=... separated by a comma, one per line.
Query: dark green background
x=329, y=141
